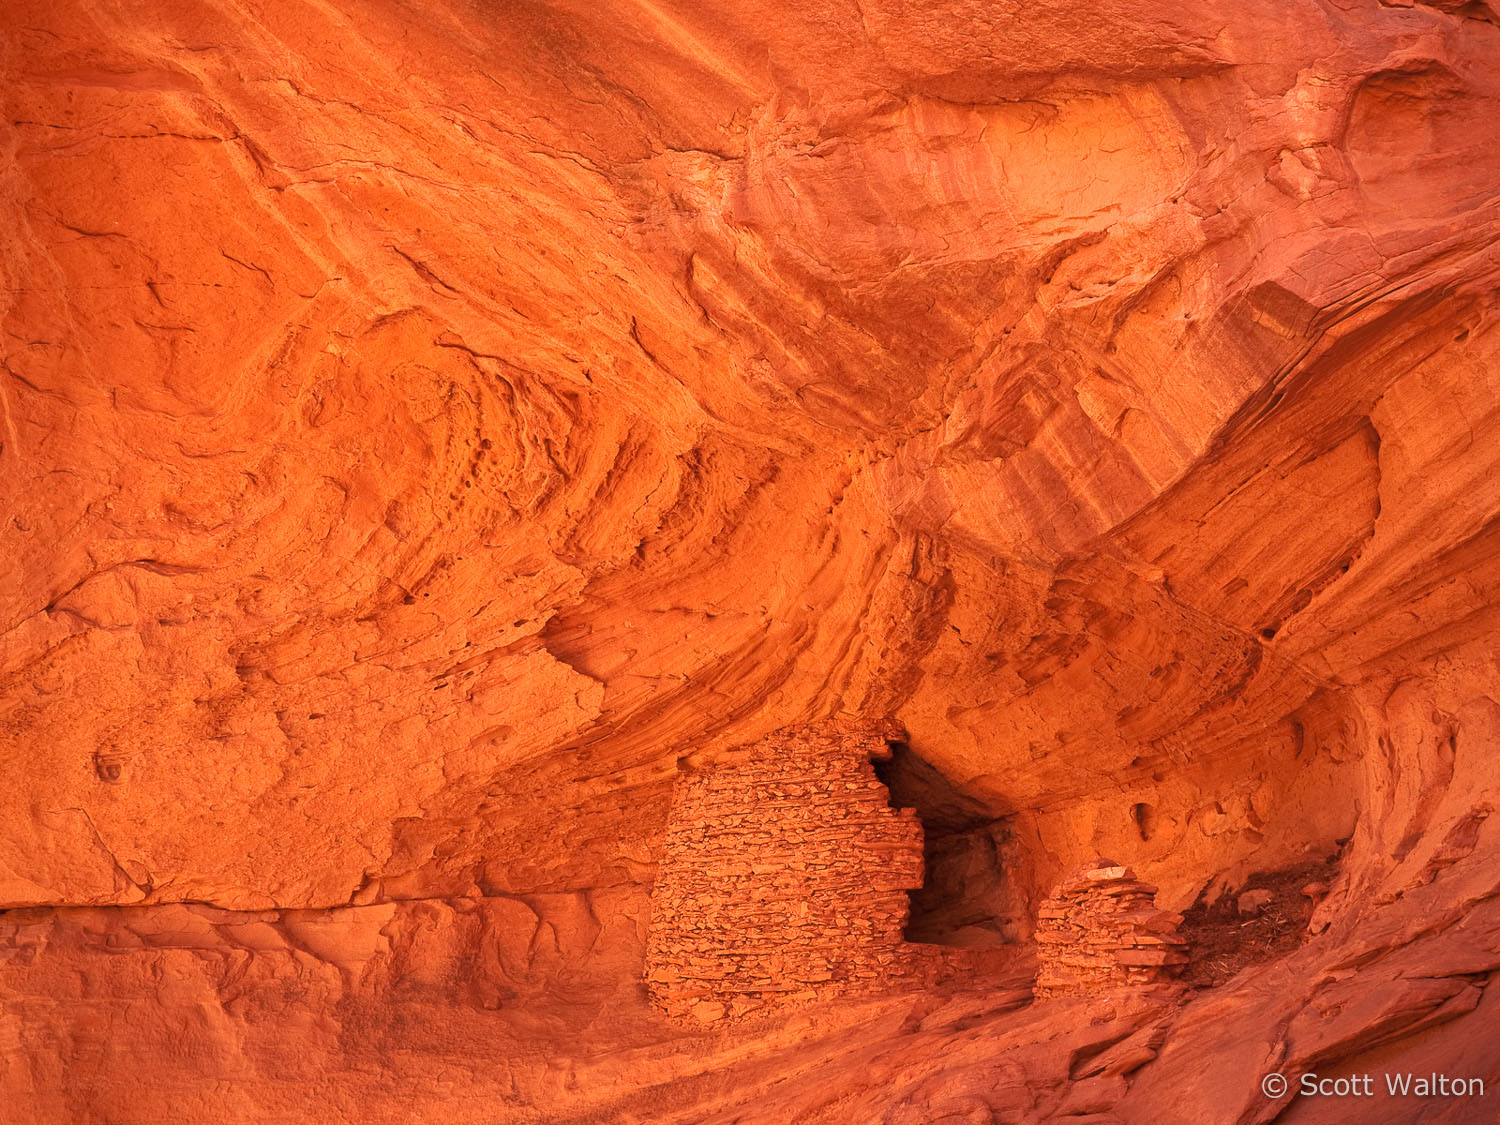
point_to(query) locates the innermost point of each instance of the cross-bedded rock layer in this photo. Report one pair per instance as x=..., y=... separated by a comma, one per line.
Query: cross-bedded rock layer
x=423, y=421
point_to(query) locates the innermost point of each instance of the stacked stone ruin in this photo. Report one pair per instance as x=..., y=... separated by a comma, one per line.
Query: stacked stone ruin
x=1101, y=930
x=784, y=878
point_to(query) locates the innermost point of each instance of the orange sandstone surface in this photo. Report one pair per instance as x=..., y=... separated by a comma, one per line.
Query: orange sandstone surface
x=438, y=436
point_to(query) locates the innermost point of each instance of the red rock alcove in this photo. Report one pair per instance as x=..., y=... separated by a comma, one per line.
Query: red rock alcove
x=429, y=427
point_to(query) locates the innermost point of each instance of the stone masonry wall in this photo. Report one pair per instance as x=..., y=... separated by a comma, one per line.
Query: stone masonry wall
x=1101, y=930
x=784, y=877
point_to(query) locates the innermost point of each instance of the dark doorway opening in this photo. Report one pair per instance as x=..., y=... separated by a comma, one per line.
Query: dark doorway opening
x=966, y=898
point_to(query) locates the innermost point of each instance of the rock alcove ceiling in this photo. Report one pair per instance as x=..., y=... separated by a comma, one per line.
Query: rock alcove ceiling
x=427, y=427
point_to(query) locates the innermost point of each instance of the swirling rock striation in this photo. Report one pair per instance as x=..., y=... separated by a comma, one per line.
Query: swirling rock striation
x=422, y=422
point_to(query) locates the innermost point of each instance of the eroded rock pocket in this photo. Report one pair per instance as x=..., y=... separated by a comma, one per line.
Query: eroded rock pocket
x=1265, y=919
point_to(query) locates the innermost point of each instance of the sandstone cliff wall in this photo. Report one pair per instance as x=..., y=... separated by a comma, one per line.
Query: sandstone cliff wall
x=423, y=421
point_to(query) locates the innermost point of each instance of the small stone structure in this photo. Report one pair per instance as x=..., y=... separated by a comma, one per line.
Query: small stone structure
x=784, y=877
x=1101, y=930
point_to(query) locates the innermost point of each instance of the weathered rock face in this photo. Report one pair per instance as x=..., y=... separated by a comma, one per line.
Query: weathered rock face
x=423, y=421
x=783, y=879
